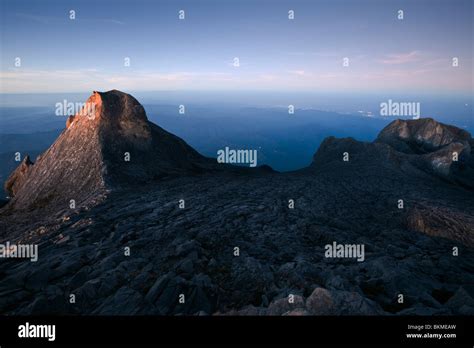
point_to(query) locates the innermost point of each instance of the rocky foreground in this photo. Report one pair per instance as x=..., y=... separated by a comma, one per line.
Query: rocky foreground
x=174, y=233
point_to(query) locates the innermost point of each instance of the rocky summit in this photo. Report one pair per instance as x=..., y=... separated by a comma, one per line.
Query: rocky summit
x=109, y=143
x=129, y=219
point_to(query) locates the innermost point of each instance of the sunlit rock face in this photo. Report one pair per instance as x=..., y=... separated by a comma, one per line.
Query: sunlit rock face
x=108, y=144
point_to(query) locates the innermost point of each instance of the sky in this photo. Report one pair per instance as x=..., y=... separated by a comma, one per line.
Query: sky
x=60, y=54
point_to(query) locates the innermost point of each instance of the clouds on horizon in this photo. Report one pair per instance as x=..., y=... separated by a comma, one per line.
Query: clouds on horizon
x=274, y=53
x=425, y=71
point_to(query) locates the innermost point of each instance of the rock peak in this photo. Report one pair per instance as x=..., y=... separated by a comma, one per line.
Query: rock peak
x=108, y=144
x=426, y=144
x=421, y=136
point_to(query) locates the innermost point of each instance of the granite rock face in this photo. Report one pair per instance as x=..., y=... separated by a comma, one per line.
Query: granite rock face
x=421, y=136
x=246, y=241
x=109, y=143
x=17, y=178
x=439, y=148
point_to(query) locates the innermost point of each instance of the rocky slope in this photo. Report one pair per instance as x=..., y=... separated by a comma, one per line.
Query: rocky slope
x=191, y=251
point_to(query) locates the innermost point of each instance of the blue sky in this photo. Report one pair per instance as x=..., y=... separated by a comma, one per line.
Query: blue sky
x=275, y=53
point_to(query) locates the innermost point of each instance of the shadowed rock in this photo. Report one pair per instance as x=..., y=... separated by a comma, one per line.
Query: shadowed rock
x=16, y=180
x=441, y=149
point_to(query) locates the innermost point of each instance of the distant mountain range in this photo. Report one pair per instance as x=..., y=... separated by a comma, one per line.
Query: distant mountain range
x=132, y=220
